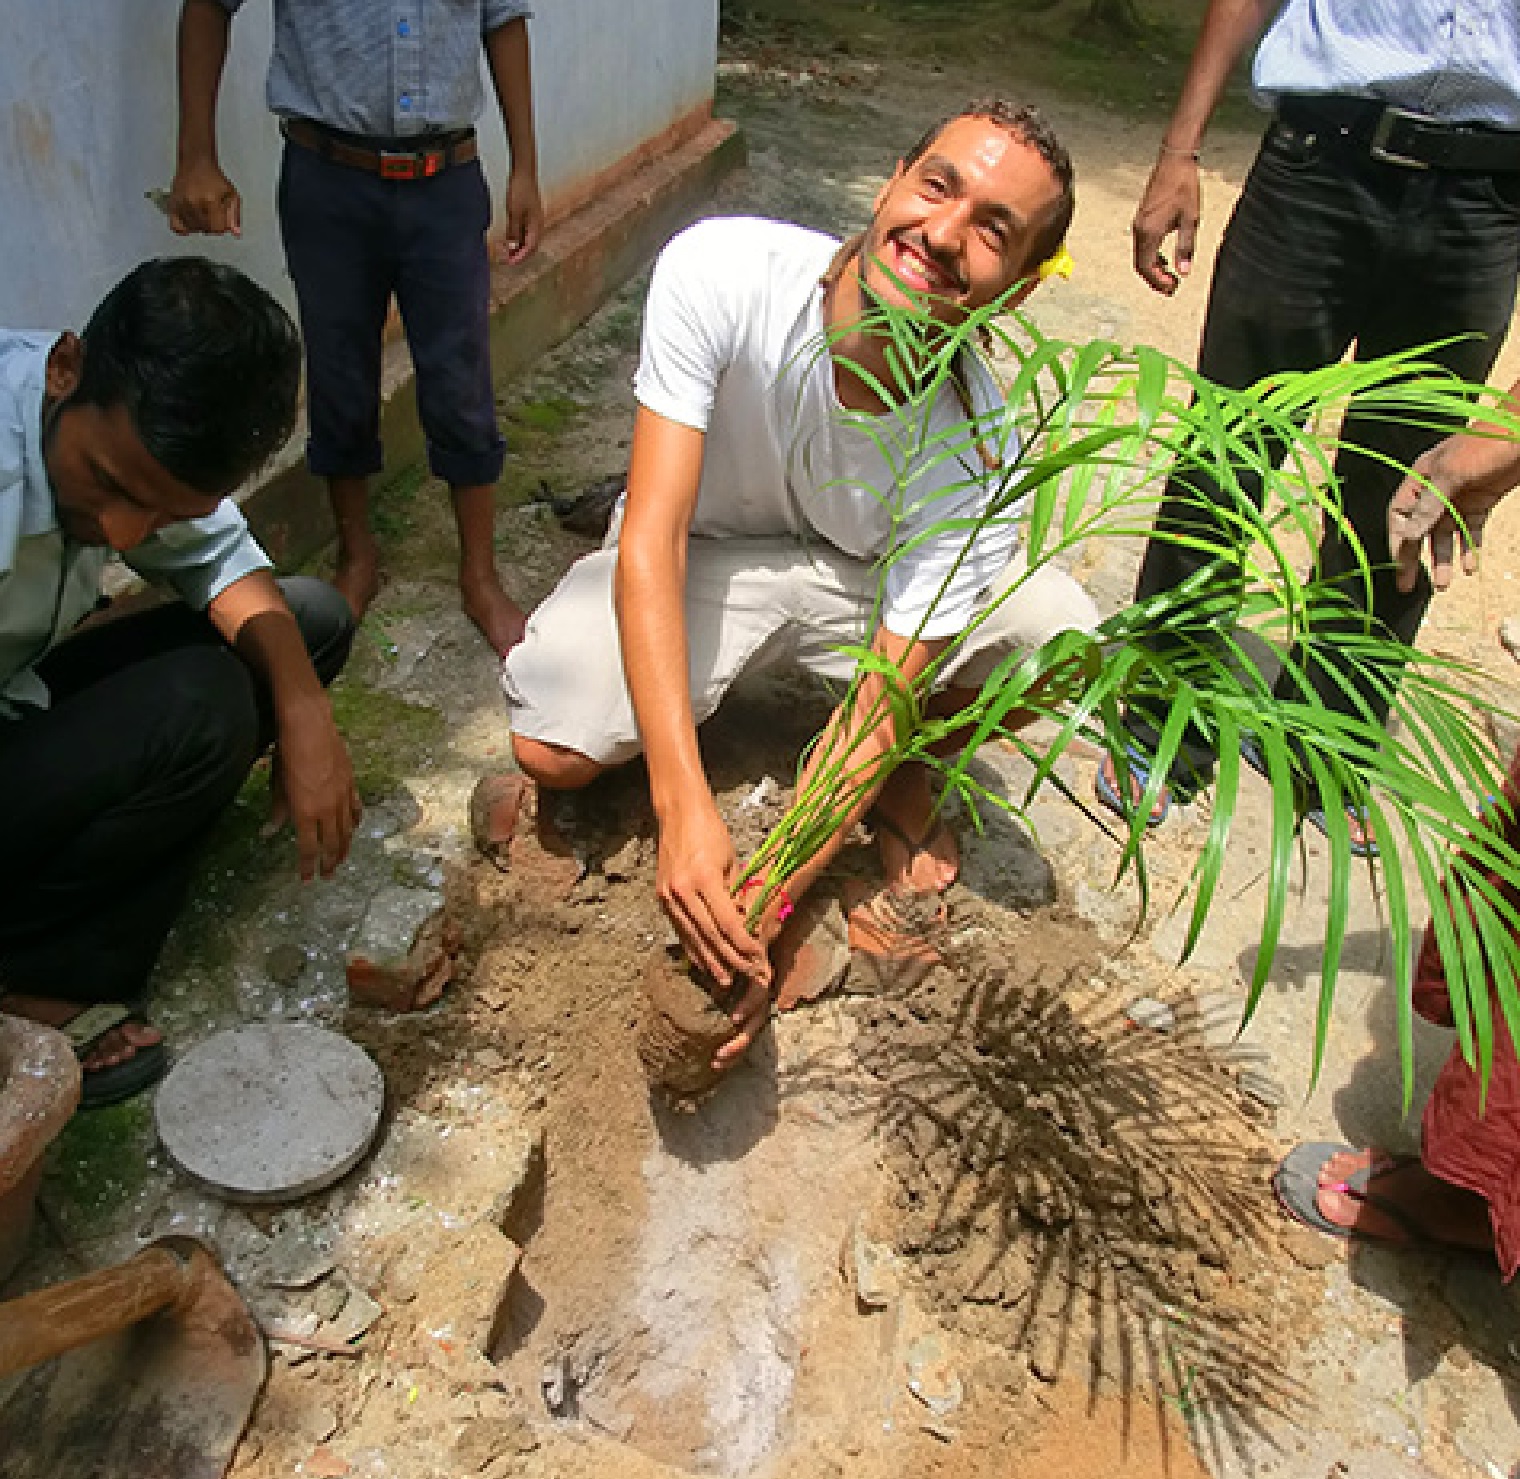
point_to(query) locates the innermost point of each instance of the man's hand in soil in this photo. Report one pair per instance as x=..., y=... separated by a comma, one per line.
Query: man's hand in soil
x=313, y=788
x=693, y=879
x=1447, y=498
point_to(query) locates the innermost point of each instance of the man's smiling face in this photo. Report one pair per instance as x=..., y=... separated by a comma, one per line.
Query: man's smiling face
x=954, y=230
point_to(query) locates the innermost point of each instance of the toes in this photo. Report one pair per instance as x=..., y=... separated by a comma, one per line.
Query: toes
x=1337, y=1207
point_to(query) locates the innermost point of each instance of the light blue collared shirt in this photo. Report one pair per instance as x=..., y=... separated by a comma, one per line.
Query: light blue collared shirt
x=386, y=68
x=49, y=584
x=1455, y=60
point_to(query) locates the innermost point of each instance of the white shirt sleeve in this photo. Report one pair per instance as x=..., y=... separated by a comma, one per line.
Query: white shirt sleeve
x=688, y=330
x=200, y=558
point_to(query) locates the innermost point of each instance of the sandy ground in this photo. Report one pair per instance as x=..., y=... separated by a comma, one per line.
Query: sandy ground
x=977, y=1224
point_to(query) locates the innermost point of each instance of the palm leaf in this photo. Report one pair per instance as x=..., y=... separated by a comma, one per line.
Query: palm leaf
x=1100, y=430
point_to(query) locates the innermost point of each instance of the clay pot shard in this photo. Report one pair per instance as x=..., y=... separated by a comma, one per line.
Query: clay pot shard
x=405, y=953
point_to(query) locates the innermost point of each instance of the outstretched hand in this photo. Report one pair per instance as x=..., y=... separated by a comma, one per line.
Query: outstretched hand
x=1169, y=205
x=1445, y=503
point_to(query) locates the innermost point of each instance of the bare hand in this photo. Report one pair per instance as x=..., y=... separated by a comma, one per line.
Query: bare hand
x=313, y=788
x=525, y=219
x=1445, y=501
x=203, y=200
x=693, y=879
x=1170, y=204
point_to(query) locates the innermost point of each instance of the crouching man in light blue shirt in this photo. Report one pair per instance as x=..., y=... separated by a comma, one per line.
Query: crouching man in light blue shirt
x=122, y=742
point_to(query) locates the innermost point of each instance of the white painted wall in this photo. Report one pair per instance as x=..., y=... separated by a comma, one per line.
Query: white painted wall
x=87, y=121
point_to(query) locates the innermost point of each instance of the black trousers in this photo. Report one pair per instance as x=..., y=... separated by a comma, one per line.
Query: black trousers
x=1328, y=248
x=154, y=725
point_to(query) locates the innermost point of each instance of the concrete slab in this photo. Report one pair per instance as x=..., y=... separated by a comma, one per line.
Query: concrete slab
x=270, y=1112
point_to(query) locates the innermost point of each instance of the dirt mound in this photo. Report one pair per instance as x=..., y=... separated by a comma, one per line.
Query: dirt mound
x=1075, y=1188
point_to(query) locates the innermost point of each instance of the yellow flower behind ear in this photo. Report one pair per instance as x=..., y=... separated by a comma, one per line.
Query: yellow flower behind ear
x=1058, y=265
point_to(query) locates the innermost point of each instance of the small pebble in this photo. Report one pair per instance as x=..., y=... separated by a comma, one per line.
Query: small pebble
x=1148, y=1012
x=284, y=963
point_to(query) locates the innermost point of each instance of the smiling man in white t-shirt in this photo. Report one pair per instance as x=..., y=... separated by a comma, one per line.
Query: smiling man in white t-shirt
x=761, y=506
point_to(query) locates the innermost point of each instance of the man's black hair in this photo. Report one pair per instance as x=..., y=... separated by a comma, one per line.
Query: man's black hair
x=205, y=361
x=1029, y=125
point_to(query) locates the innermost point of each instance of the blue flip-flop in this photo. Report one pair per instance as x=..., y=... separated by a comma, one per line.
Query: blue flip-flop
x=1139, y=768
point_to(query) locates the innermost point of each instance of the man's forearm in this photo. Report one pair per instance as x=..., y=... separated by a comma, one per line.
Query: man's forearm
x=1229, y=27
x=203, y=32
x=850, y=762
x=509, y=58
x=649, y=595
x=255, y=622
x=664, y=472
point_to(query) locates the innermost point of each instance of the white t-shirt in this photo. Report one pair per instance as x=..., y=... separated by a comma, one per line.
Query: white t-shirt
x=734, y=347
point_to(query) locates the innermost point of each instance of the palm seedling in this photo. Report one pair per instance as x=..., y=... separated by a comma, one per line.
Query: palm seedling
x=1099, y=429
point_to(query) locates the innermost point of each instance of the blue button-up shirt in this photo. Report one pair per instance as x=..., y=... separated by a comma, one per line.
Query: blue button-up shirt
x=386, y=68
x=1456, y=60
x=49, y=584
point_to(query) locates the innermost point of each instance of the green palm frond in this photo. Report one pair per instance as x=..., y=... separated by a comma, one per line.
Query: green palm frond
x=1101, y=429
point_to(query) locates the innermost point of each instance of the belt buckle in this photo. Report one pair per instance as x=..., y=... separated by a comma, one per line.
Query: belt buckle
x=1388, y=120
x=398, y=166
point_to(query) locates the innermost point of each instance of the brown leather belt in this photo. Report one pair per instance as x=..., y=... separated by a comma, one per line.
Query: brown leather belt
x=416, y=159
x=1397, y=136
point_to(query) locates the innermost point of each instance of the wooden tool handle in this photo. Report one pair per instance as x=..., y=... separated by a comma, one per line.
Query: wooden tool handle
x=39, y=1326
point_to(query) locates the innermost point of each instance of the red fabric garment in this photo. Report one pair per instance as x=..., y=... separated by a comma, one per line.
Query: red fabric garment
x=1467, y=1142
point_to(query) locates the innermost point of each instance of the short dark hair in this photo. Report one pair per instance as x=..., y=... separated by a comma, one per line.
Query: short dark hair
x=1028, y=124
x=207, y=364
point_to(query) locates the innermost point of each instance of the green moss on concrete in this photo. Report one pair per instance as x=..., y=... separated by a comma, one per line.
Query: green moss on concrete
x=393, y=501
x=99, y=1164
x=232, y=875
x=548, y=417
x=388, y=738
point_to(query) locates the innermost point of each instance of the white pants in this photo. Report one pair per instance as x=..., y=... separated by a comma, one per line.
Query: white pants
x=751, y=604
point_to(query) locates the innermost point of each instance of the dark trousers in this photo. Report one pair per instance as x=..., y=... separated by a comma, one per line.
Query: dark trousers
x=154, y=725
x=1328, y=248
x=352, y=241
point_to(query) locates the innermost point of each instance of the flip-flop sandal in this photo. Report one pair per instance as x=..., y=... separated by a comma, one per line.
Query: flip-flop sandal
x=103, y=1086
x=1296, y=1185
x=1139, y=769
x=1365, y=847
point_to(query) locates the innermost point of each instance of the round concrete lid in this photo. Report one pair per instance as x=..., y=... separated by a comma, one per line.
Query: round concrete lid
x=270, y=1112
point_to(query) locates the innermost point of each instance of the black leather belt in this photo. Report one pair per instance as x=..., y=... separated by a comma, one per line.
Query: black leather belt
x=1399, y=137
x=399, y=159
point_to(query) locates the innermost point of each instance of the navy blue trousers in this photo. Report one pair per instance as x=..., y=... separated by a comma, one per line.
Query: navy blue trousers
x=352, y=242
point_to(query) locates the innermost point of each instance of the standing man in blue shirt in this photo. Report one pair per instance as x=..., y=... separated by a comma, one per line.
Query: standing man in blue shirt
x=121, y=743
x=381, y=194
x=1383, y=210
